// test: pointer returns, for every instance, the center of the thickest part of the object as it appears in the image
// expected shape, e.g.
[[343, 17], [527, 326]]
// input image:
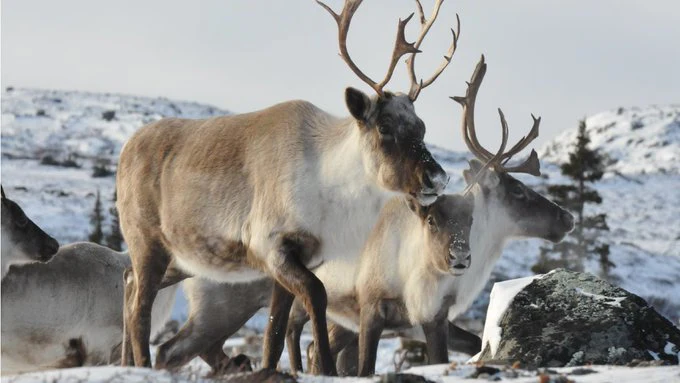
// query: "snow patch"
[[501, 296], [611, 301]]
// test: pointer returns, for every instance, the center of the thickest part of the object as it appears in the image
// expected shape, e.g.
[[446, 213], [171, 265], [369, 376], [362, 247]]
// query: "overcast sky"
[[561, 60]]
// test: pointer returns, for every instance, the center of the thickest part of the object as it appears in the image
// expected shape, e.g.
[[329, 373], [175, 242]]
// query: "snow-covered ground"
[[640, 188]]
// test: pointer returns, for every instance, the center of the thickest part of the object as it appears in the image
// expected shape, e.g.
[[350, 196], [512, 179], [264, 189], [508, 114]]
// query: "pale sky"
[[561, 60]]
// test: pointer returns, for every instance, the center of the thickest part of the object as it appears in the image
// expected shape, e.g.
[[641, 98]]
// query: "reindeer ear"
[[488, 179], [358, 103]]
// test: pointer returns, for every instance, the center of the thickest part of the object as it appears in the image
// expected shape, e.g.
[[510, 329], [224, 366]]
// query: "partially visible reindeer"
[[74, 303], [22, 240], [503, 208], [271, 193]]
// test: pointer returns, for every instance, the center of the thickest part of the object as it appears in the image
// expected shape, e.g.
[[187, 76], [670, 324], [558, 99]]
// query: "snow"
[[438, 373], [502, 294], [639, 192], [611, 301]]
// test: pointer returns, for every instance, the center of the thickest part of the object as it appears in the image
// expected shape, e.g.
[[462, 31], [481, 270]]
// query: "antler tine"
[[530, 166], [468, 103], [524, 142], [401, 47], [417, 86], [343, 20], [495, 159], [3, 192]]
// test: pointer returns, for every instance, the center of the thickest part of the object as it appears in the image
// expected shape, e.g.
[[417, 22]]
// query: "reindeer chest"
[[342, 220]]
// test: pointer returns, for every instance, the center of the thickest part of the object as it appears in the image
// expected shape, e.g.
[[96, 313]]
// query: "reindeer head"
[[22, 240], [392, 134], [527, 213], [446, 225], [507, 200]]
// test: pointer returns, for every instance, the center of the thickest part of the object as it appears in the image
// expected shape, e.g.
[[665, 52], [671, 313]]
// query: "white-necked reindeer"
[[504, 208], [68, 312], [22, 240], [273, 192]]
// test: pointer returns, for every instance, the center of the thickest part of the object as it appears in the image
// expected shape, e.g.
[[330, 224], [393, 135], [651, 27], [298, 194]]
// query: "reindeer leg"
[[339, 338], [348, 358], [126, 357], [371, 325], [436, 335], [279, 311], [148, 267], [296, 322], [463, 341], [293, 279]]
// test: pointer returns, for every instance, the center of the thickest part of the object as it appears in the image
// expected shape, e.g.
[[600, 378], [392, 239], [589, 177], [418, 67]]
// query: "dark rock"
[[571, 319]]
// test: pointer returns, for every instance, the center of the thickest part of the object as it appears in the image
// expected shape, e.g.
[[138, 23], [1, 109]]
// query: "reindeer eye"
[[517, 191], [385, 133], [21, 220]]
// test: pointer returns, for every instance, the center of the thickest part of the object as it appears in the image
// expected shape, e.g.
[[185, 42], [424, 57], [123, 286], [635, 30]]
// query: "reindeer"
[[22, 240], [503, 208], [401, 277], [271, 193], [68, 312]]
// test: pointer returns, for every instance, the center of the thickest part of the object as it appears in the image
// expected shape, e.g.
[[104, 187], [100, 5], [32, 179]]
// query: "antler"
[[417, 86], [401, 46], [3, 192], [498, 161]]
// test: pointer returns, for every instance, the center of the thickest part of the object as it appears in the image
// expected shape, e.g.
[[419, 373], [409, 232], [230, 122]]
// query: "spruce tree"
[[96, 219], [114, 239], [585, 167]]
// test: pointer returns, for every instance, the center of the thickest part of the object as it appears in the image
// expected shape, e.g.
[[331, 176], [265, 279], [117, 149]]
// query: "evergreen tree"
[[96, 219], [114, 239], [585, 166]]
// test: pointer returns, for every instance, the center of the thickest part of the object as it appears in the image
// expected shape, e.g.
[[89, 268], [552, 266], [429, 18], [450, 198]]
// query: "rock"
[[570, 319]]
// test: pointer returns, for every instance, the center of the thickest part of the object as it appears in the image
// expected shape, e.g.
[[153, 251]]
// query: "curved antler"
[[531, 165], [425, 24], [401, 46]]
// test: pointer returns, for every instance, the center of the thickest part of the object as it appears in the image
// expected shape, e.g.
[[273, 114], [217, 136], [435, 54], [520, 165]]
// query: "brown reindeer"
[[270, 193], [22, 240]]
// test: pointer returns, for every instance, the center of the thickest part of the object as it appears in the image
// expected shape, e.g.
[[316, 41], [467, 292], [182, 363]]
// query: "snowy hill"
[[640, 189], [637, 140]]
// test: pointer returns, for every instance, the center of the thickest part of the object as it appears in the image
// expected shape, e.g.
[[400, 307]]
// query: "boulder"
[[568, 318]]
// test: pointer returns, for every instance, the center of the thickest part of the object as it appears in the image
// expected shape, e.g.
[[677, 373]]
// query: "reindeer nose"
[[436, 179], [51, 248], [567, 219]]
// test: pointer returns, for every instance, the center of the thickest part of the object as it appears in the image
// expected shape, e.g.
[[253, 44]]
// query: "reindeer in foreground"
[[74, 301], [503, 208], [400, 279], [270, 193], [22, 240]]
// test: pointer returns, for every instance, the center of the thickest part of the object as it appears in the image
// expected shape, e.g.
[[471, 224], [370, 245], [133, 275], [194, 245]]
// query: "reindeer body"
[[401, 277], [77, 295]]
